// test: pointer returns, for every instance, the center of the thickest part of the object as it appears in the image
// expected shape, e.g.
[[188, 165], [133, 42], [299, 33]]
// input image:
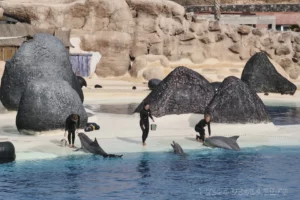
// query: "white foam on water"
[[21, 156]]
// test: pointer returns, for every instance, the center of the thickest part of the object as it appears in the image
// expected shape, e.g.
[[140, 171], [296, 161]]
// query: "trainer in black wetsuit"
[[72, 123], [144, 121], [200, 127]]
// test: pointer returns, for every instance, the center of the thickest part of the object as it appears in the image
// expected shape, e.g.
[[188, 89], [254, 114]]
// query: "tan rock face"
[[267, 42], [142, 65], [234, 37], [219, 37], [206, 40], [285, 38], [214, 26], [236, 48], [1, 12], [155, 72], [114, 48], [297, 39], [297, 48], [244, 30], [286, 63], [198, 57], [257, 32], [282, 50]]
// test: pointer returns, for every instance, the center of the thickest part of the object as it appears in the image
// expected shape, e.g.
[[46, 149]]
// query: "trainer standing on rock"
[[72, 124], [144, 121]]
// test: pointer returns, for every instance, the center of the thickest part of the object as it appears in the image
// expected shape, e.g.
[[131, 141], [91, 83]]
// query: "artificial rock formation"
[[46, 104], [235, 102], [124, 29], [82, 81], [216, 85], [182, 91], [153, 83], [44, 56], [260, 74], [149, 66]]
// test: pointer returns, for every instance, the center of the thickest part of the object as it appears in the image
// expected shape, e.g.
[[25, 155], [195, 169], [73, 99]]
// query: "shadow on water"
[[284, 115], [10, 129], [143, 168], [113, 108], [129, 140]]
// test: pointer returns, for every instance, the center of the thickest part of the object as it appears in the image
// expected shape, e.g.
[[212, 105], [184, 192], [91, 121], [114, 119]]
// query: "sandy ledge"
[[120, 133]]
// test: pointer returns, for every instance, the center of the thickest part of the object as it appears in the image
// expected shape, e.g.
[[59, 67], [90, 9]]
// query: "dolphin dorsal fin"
[[96, 142], [234, 137]]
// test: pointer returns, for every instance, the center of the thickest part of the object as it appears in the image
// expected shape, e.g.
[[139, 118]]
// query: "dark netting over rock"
[[46, 104], [182, 91], [260, 74], [44, 56], [235, 102]]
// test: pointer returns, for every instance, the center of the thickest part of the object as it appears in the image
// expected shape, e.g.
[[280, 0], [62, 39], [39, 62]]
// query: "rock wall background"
[[141, 38], [253, 7], [210, 2]]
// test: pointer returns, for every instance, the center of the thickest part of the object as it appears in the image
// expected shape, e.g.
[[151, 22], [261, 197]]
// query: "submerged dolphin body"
[[222, 142], [177, 148], [89, 146]]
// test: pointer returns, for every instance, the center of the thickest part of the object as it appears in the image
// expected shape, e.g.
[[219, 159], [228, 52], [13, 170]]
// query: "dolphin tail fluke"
[[235, 137]]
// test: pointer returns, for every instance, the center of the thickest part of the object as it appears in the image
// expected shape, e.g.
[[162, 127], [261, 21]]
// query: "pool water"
[[284, 115], [253, 173]]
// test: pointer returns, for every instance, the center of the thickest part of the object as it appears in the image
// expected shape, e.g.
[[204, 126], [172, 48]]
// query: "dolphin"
[[88, 146], [177, 148], [222, 142]]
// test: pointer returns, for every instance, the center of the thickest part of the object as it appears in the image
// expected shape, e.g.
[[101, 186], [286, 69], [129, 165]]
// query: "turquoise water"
[[254, 173]]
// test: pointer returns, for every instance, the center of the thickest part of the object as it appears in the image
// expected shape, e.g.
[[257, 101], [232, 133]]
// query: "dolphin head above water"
[[222, 142], [177, 148]]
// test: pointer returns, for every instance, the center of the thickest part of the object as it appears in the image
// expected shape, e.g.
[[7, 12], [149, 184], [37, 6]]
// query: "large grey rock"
[[153, 83], [216, 85], [261, 75], [182, 91], [82, 81], [44, 56], [46, 104], [235, 102]]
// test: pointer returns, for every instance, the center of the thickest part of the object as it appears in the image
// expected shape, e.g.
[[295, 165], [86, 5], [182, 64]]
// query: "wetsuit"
[[200, 128], [144, 122], [71, 126]]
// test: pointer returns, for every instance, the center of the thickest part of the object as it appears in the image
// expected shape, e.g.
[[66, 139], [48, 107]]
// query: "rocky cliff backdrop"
[[210, 2], [141, 37]]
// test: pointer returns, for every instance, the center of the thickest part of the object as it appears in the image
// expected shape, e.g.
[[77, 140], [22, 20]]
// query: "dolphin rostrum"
[[222, 142], [177, 148], [89, 146]]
